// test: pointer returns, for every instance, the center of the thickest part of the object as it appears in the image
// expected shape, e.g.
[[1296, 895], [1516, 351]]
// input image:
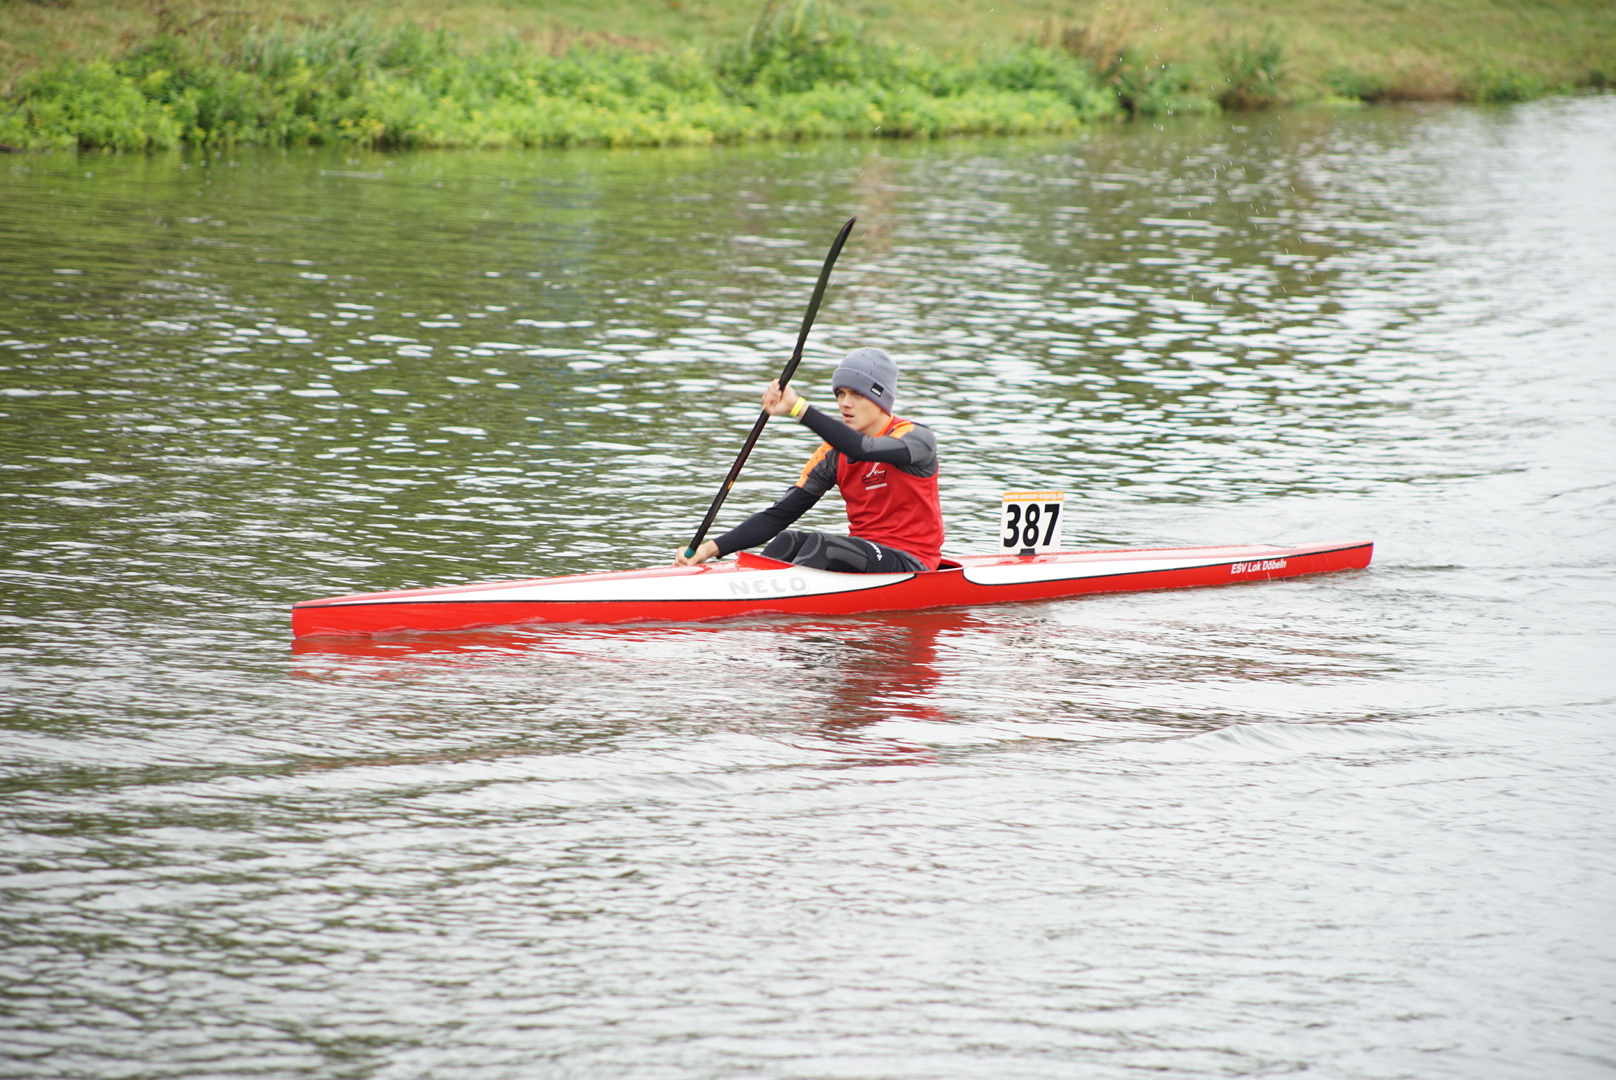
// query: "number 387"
[[1023, 523]]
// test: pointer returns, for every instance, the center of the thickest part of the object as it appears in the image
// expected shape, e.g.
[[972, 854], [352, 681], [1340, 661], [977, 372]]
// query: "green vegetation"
[[155, 74], [800, 72]]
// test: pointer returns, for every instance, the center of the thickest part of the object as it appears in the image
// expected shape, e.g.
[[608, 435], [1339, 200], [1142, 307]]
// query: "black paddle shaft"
[[785, 377]]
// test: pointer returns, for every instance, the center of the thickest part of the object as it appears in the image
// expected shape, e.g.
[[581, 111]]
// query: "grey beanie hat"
[[870, 372]]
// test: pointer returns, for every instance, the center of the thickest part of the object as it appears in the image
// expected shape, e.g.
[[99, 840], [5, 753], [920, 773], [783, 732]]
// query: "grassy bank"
[[803, 72], [163, 73]]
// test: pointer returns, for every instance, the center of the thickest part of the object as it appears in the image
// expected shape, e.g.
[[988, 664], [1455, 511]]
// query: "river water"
[[1352, 826]]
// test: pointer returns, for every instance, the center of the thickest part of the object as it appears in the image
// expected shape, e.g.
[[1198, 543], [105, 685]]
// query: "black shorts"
[[846, 554]]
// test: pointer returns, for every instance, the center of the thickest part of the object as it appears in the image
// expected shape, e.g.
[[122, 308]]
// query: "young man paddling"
[[884, 466]]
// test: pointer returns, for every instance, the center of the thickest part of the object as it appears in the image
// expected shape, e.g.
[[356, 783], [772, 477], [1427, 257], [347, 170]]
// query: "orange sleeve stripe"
[[819, 455]]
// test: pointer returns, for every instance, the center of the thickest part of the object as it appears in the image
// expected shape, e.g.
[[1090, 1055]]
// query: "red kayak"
[[752, 585]]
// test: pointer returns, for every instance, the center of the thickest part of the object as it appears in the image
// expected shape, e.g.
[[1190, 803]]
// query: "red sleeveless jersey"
[[889, 506]]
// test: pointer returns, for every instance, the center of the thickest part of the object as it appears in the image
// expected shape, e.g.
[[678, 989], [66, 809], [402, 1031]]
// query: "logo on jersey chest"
[[875, 477]]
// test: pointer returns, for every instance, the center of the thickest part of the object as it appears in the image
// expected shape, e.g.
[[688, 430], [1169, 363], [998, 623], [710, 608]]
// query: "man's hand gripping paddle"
[[785, 377]]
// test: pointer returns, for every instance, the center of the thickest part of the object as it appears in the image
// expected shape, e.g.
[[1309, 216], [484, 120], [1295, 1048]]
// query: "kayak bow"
[[752, 585]]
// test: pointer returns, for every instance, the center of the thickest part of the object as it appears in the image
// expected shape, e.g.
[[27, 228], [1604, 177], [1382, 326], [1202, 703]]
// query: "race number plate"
[[1030, 522]]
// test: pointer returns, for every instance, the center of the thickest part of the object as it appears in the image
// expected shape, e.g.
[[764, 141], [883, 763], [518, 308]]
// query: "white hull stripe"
[[741, 586], [1026, 573]]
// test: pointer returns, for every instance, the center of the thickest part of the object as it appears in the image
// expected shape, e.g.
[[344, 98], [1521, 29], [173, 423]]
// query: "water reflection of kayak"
[[752, 585]]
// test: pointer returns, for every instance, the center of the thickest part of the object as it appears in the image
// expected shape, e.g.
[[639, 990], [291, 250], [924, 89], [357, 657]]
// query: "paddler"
[[884, 466]]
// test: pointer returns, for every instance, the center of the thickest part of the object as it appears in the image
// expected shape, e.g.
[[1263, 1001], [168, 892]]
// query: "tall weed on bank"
[[1253, 74]]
